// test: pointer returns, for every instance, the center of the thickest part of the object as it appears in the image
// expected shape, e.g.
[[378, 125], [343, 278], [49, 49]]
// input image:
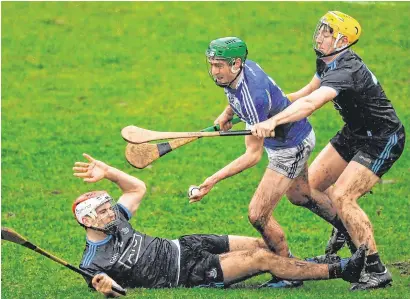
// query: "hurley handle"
[[217, 128]]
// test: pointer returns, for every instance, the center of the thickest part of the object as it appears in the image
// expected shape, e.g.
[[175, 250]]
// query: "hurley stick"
[[12, 236], [142, 155], [133, 134]]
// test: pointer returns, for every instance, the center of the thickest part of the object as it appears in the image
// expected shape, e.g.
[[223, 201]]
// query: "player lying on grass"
[[116, 253]]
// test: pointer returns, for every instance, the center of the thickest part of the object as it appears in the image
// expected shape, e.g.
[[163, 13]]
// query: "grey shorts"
[[291, 161]]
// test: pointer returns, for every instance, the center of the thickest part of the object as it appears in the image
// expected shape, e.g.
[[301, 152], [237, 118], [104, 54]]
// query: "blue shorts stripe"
[[385, 154], [378, 160]]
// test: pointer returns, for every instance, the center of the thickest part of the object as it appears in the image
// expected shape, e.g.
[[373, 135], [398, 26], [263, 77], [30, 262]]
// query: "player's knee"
[[257, 220], [260, 243], [262, 257], [298, 197]]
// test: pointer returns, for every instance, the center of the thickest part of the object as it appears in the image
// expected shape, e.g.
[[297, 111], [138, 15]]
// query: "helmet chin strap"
[[110, 230], [107, 231], [321, 55], [223, 85]]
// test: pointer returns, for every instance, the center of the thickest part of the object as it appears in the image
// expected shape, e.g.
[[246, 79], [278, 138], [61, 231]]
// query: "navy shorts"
[[377, 154], [200, 266]]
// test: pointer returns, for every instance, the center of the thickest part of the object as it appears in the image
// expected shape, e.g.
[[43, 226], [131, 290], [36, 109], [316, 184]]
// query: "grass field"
[[75, 73]]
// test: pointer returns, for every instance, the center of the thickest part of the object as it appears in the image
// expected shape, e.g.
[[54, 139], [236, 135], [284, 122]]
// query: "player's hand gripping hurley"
[[12, 236]]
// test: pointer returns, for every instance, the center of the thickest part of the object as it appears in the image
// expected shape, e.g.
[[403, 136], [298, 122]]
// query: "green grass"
[[75, 73]]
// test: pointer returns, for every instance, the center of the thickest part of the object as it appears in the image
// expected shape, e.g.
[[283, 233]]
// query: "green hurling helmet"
[[228, 49]]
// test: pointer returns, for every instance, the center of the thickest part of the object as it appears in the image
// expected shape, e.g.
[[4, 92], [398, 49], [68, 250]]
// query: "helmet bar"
[[321, 55], [87, 207]]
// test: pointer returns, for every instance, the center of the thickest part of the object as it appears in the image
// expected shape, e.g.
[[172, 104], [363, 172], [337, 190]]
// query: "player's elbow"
[[142, 188], [139, 187]]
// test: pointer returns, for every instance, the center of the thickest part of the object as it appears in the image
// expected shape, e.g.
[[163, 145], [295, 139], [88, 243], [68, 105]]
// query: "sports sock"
[[336, 222], [374, 264], [335, 270]]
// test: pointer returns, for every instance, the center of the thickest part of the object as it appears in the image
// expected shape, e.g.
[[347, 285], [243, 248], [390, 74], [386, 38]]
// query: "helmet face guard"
[[98, 208], [336, 25], [230, 64], [226, 49]]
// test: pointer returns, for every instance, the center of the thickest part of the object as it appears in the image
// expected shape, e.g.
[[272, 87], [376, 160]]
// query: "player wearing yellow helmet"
[[343, 30], [367, 146]]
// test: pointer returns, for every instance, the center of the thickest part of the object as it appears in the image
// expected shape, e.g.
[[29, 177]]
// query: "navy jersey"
[[133, 259], [258, 98], [360, 99]]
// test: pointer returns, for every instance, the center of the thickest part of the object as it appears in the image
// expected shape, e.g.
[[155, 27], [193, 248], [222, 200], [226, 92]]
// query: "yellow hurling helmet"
[[339, 25]]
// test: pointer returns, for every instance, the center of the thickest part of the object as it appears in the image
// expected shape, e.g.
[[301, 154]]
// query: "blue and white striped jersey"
[[257, 98]]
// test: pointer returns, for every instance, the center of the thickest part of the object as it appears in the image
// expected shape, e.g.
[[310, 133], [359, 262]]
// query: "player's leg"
[[218, 244], [355, 181], [310, 189], [237, 243], [371, 162], [239, 265], [284, 166], [304, 193], [270, 190]]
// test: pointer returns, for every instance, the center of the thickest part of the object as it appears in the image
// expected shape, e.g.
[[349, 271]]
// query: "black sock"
[[338, 224], [335, 270], [374, 264]]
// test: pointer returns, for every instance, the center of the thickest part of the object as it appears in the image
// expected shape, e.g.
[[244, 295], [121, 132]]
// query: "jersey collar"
[[338, 57], [102, 242]]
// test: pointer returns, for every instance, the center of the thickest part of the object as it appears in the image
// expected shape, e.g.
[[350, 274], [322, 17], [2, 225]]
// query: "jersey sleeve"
[[338, 79], [124, 212]]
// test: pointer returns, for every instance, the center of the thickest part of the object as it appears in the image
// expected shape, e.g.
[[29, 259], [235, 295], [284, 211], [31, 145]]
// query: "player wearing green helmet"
[[227, 49], [254, 97]]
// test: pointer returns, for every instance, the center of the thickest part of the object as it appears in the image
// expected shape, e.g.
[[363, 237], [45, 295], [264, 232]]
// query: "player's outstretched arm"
[[133, 189], [253, 154], [308, 89], [302, 108], [91, 171]]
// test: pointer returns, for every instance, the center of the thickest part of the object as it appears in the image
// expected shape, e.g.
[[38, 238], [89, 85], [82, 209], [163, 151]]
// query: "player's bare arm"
[[302, 108], [308, 89], [133, 189], [224, 119], [252, 155]]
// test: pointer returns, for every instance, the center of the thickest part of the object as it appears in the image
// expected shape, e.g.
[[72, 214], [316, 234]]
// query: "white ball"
[[192, 191]]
